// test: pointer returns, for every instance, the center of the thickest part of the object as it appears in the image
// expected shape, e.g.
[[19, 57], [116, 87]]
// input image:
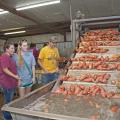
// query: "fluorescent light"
[[1, 9], [12, 29], [18, 32], [3, 12], [39, 5]]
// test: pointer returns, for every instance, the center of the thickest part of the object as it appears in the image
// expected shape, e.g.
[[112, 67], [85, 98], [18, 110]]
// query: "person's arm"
[[57, 57], [8, 72], [40, 58], [40, 63], [33, 72], [5, 65], [33, 68]]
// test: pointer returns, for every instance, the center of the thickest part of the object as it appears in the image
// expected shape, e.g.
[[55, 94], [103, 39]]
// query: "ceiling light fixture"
[[3, 12], [10, 33], [5, 30], [49, 2]]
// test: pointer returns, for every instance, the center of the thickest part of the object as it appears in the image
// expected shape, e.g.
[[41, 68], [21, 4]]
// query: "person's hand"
[[118, 84], [46, 71], [33, 80], [17, 77], [57, 70], [19, 82], [113, 82]]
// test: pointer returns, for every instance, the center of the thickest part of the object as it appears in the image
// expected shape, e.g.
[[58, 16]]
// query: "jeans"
[[46, 78], [8, 96]]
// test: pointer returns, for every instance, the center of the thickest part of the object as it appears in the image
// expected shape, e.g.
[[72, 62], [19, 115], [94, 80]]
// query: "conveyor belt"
[[82, 107]]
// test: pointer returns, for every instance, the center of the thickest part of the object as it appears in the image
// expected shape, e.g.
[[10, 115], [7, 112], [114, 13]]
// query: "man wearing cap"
[[48, 60]]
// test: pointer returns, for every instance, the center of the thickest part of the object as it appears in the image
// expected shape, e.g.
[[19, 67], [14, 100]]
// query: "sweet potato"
[[114, 108]]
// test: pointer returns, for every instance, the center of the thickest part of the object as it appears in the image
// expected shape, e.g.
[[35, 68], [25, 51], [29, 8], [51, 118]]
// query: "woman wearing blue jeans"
[[8, 76]]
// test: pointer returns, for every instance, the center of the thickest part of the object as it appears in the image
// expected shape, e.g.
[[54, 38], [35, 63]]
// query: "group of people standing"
[[17, 70]]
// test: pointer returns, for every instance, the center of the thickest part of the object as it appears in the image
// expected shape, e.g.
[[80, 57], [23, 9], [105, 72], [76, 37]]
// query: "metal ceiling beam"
[[13, 11], [109, 24], [65, 38], [100, 19], [101, 23], [36, 30], [32, 33], [4, 6], [60, 25]]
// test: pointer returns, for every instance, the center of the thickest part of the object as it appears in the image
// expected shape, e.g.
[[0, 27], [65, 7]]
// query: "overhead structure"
[[93, 23], [42, 15], [38, 27]]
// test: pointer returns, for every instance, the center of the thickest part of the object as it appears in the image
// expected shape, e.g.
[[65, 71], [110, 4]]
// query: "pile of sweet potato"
[[92, 49], [100, 43], [81, 90], [96, 58], [97, 78], [95, 65], [105, 32]]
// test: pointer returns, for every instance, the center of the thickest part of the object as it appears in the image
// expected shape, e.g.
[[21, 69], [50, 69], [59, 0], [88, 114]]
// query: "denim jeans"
[[8, 96], [46, 78]]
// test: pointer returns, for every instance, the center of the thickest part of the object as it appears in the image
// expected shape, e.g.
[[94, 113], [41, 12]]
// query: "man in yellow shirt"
[[48, 60]]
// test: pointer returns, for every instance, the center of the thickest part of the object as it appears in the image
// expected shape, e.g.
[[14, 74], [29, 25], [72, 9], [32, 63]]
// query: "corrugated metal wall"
[[65, 48], [1, 45], [38, 38]]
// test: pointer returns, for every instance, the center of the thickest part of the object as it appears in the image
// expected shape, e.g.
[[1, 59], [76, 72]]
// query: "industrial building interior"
[[69, 23]]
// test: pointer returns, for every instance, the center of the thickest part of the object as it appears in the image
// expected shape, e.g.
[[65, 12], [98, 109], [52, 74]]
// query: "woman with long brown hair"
[[25, 67]]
